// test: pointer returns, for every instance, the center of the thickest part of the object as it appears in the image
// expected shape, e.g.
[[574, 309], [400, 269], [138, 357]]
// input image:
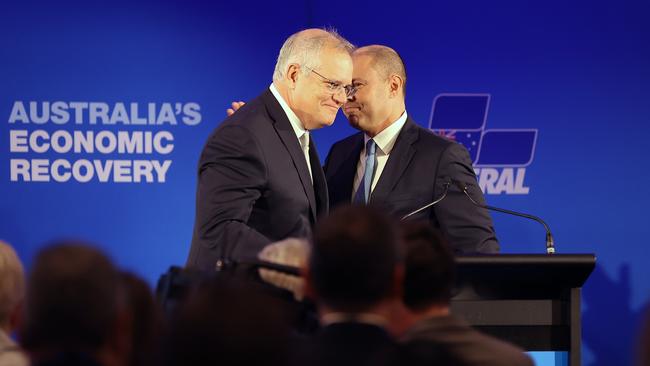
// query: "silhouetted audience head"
[[12, 292], [354, 258], [429, 267], [228, 322], [643, 341], [147, 321], [74, 309], [12, 287]]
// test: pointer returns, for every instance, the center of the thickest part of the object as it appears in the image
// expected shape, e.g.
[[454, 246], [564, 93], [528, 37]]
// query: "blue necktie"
[[363, 192]]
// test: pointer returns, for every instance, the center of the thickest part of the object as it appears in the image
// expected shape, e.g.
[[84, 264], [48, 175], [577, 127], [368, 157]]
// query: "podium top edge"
[[588, 259]]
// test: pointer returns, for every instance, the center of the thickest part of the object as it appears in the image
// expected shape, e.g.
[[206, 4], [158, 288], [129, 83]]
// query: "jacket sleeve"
[[468, 228], [232, 177]]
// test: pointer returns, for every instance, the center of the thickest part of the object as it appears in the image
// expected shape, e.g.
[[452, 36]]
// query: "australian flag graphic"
[[463, 117]]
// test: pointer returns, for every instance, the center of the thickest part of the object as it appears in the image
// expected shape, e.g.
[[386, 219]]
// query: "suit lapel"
[[343, 178], [288, 137], [397, 162], [320, 184]]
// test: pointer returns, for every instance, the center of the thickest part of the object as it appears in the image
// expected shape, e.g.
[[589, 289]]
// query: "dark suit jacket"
[[350, 343], [468, 346], [417, 168], [254, 186]]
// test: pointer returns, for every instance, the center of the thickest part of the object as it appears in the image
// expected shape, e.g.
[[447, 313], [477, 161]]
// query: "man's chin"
[[328, 123], [324, 122], [354, 121]]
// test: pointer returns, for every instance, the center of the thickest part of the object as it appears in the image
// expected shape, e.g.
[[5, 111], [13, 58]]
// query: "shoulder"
[[252, 115], [426, 138], [347, 142], [430, 145], [243, 127]]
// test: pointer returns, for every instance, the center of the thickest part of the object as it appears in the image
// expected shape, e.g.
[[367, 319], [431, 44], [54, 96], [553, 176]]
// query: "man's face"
[[369, 108], [313, 102]]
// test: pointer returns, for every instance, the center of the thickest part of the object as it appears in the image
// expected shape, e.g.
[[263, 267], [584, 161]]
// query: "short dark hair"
[[429, 266], [73, 297], [228, 321], [147, 322], [353, 258]]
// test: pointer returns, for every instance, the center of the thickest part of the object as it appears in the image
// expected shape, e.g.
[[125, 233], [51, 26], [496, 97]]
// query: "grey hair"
[[12, 282], [305, 50]]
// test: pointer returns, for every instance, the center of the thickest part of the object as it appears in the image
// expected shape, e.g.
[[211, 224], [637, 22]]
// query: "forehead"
[[336, 65], [363, 66]]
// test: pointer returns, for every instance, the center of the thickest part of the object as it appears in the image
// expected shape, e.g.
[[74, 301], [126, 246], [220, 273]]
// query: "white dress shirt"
[[385, 140], [301, 133]]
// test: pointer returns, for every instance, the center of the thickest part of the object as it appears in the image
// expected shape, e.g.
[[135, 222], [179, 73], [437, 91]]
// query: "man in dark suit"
[[354, 274], [260, 178], [399, 165], [425, 322]]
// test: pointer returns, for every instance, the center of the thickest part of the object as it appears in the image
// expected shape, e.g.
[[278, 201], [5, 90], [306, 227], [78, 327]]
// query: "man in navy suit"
[[260, 178], [396, 164]]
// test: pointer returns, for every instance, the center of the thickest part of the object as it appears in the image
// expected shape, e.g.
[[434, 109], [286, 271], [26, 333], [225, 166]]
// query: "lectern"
[[530, 300]]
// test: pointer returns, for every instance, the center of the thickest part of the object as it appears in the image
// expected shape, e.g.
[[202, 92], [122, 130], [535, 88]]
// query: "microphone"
[[444, 194], [550, 247]]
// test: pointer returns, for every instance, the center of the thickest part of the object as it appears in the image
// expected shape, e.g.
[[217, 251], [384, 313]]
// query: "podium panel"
[[530, 300]]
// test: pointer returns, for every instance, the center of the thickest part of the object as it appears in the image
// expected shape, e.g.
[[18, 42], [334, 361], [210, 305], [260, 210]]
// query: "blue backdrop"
[[563, 112]]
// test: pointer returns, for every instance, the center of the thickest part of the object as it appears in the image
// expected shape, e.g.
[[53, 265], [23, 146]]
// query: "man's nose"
[[340, 97]]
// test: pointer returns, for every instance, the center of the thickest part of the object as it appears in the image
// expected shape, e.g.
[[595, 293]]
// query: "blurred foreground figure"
[[12, 289], [147, 321], [226, 321], [425, 320], [354, 274], [75, 312], [643, 343]]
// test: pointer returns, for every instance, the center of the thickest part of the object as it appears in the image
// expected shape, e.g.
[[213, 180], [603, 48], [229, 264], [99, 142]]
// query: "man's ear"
[[292, 75], [395, 85]]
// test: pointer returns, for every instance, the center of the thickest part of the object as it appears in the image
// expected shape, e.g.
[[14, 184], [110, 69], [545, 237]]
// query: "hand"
[[288, 252], [235, 107]]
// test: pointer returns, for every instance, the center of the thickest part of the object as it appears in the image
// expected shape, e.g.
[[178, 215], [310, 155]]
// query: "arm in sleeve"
[[232, 177], [468, 228]]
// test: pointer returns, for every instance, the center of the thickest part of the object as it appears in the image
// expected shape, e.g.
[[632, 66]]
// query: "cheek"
[[306, 93], [367, 100], [325, 101]]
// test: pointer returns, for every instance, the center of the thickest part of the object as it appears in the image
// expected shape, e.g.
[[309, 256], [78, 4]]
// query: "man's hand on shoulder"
[[235, 106]]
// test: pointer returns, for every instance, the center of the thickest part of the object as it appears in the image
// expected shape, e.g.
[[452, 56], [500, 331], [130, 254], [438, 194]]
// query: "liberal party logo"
[[499, 156]]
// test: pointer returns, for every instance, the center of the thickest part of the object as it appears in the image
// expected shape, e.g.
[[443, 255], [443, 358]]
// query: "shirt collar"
[[385, 140], [295, 121]]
